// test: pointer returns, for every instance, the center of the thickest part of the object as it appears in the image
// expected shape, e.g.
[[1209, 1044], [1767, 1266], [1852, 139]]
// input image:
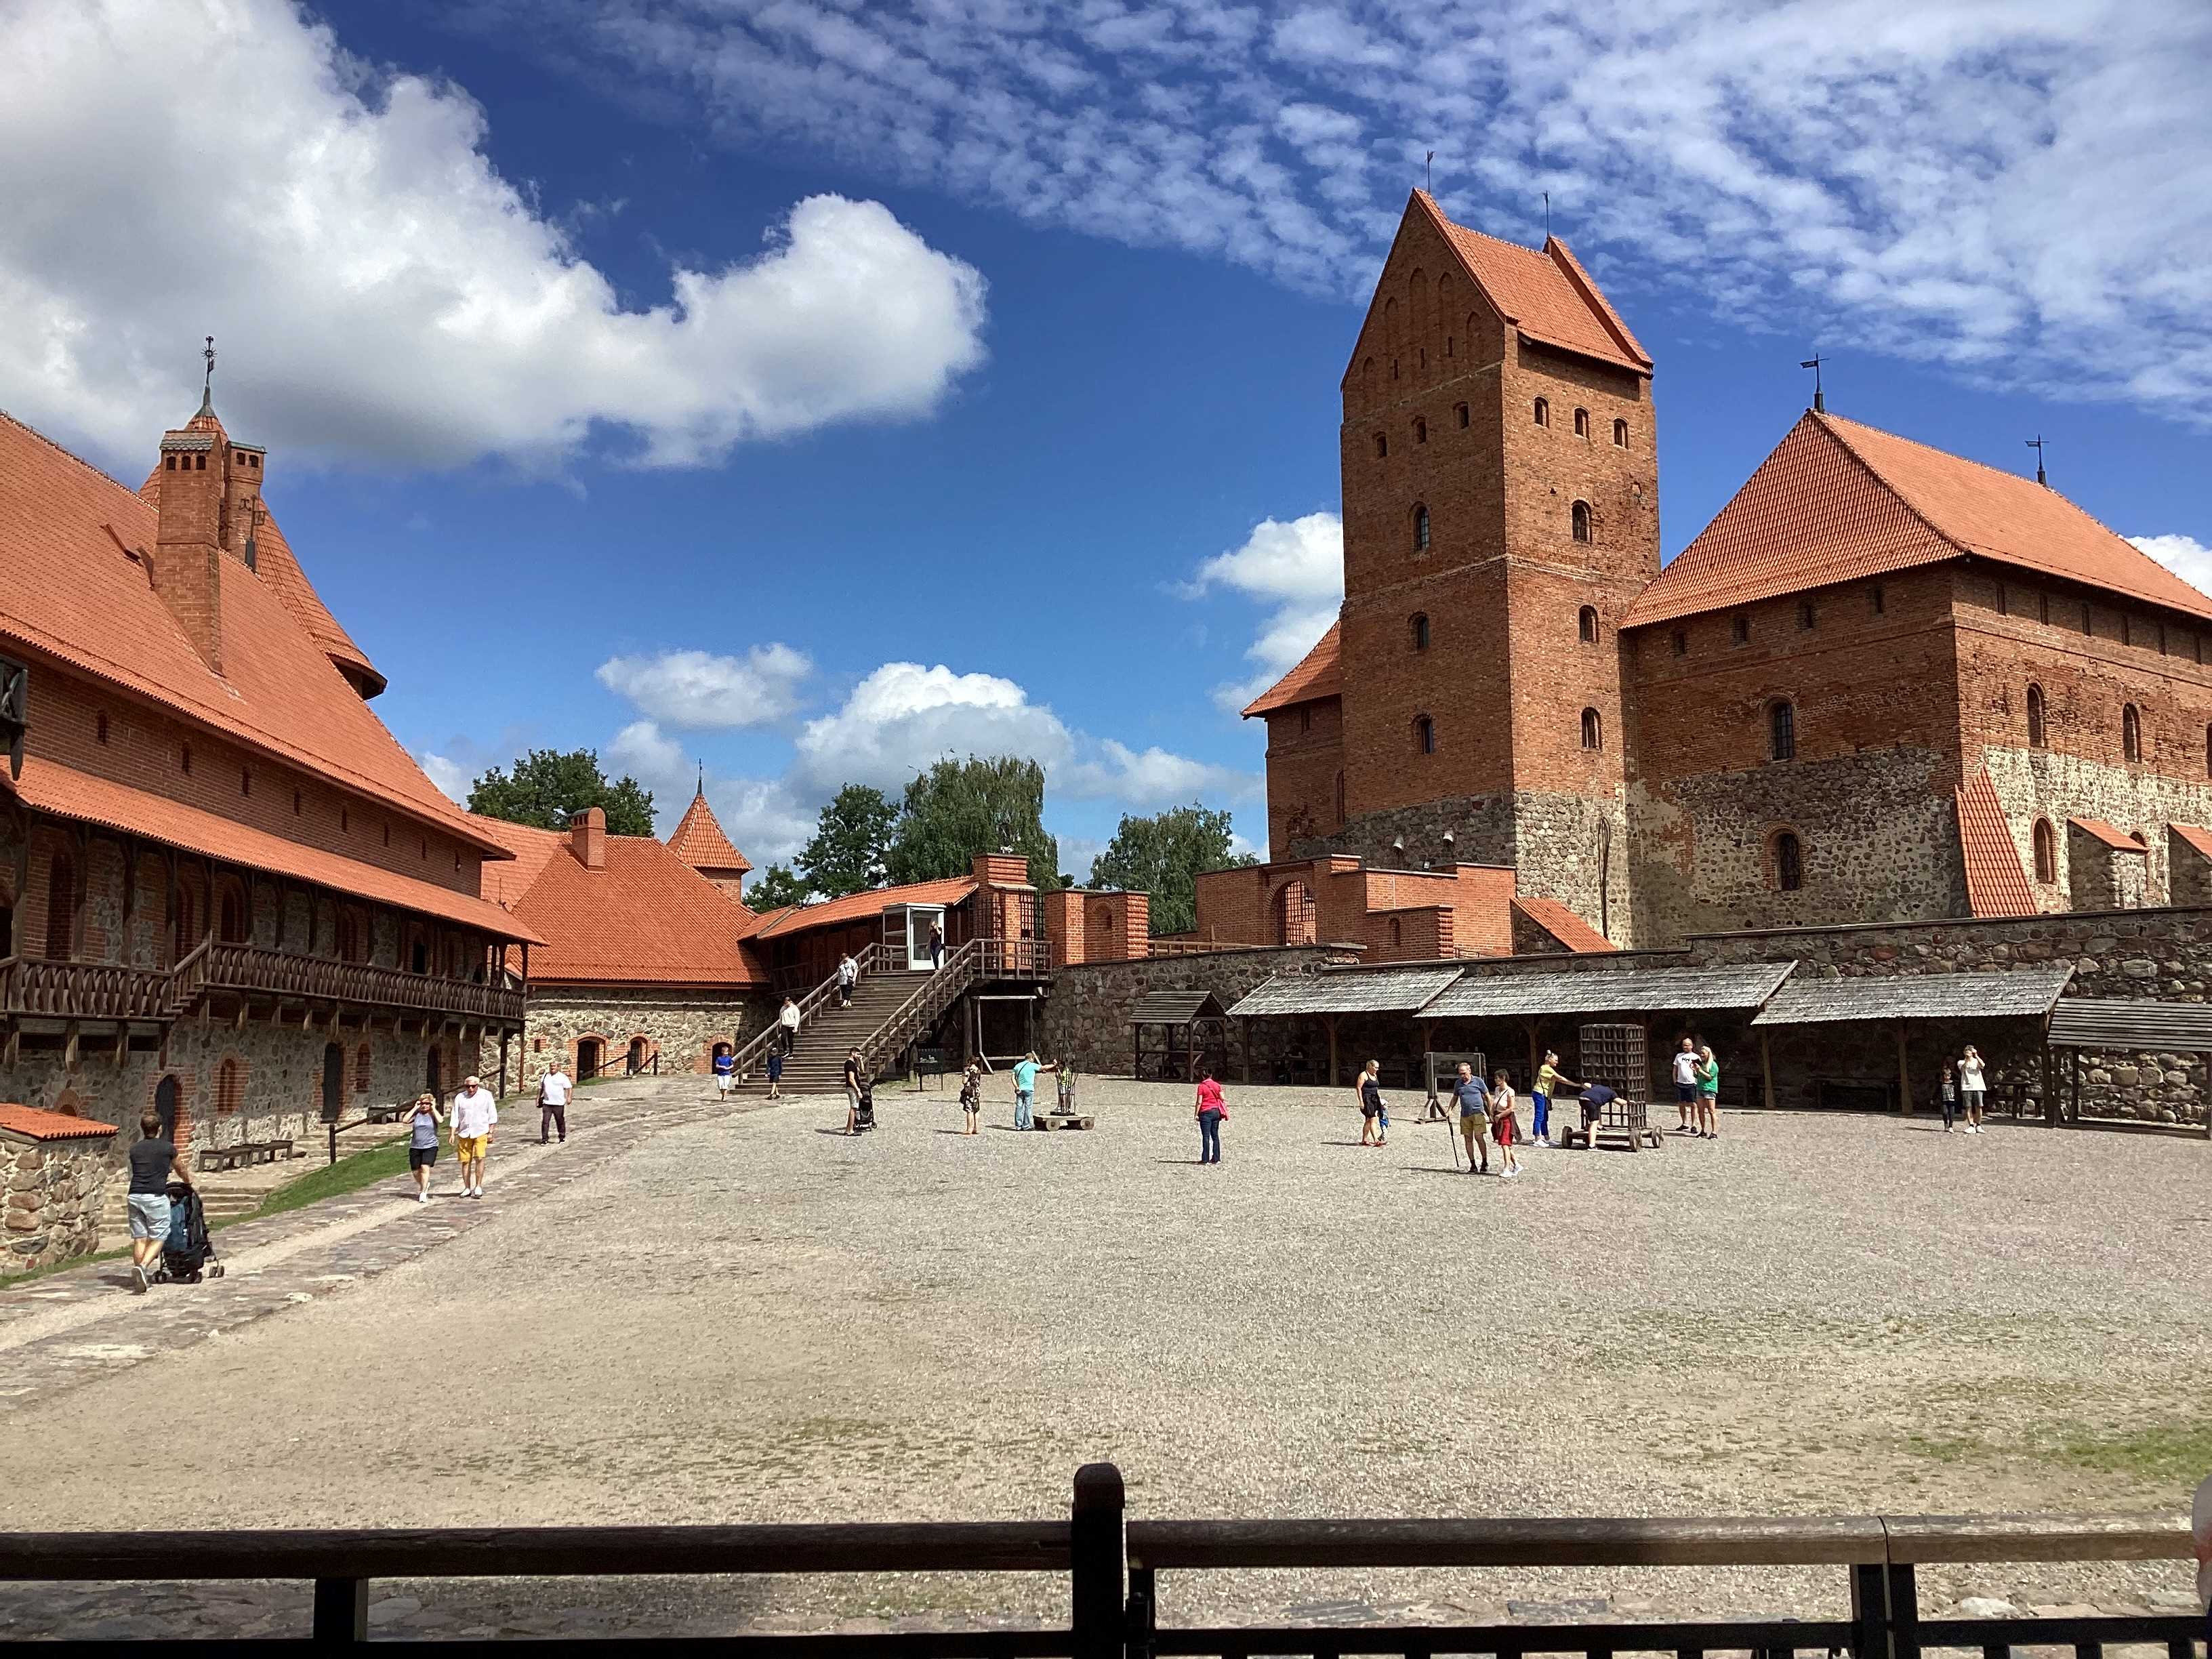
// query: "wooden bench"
[[244, 1153]]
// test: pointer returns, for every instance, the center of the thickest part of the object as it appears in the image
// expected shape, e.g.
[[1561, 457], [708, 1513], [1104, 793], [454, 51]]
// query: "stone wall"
[[2041, 783], [680, 1024], [1085, 1024], [54, 1193]]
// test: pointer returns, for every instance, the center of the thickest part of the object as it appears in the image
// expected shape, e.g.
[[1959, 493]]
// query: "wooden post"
[[1331, 1021], [1097, 1559], [2050, 1089], [1532, 1053], [1246, 1022], [1766, 1068], [1903, 1075], [2077, 1087]]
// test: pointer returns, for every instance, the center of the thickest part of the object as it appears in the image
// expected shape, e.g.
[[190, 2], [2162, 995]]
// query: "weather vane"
[[206, 380], [2036, 444], [1820, 398]]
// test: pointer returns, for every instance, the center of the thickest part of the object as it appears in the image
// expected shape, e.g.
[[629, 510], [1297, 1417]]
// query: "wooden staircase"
[[817, 1066]]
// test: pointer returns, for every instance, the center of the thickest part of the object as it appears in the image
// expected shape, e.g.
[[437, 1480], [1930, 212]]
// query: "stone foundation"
[[680, 1024], [53, 1184], [1085, 1022]]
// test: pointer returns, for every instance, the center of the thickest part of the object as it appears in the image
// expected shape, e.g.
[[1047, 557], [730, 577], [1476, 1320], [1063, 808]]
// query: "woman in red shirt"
[[1212, 1113]]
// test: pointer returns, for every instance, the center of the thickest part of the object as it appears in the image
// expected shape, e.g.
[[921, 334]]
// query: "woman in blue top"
[[423, 1120]]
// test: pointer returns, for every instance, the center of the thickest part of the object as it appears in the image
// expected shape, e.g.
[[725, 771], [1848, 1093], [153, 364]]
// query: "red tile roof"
[[1995, 883], [647, 917], [1543, 292], [1319, 674], [40, 1125], [700, 842], [1836, 501], [82, 796], [2198, 838], [74, 592], [1563, 924], [828, 912], [2118, 840]]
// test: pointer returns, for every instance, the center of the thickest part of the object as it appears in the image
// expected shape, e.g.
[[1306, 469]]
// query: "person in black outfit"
[[154, 1160]]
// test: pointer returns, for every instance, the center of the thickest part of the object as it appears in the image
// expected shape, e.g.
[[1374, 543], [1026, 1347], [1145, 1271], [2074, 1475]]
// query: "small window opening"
[[99, 728], [1682, 643], [1581, 522], [1788, 862], [1420, 530], [1807, 617], [1739, 627], [1621, 434], [1543, 411], [1393, 368], [1593, 729], [245, 781], [2131, 734], [2088, 621], [1425, 735], [1586, 624], [185, 757], [1420, 631], [1381, 445], [2035, 726], [1782, 731], [1462, 411], [299, 803], [2046, 852], [1874, 598], [1420, 430], [1582, 423], [1305, 718], [2005, 604], [2043, 609], [1448, 345]]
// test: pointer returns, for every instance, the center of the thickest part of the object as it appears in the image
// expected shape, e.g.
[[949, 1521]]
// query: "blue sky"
[[806, 389]]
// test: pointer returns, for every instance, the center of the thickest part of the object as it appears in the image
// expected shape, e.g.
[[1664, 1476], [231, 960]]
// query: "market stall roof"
[[2132, 1023], [2023, 991], [1175, 1008], [1596, 991], [1399, 991]]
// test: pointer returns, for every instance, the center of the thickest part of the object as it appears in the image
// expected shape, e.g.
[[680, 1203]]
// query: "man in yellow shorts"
[[474, 1113]]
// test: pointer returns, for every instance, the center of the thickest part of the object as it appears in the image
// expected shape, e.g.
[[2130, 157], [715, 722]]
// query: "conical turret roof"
[[700, 842]]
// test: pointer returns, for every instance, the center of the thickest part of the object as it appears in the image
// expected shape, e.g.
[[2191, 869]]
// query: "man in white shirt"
[[474, 1113], [788, 1018], [1686, 1083], [553, 1105], [848, 974]]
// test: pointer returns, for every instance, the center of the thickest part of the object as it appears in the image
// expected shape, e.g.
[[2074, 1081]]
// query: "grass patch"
[[349, 1174], [2160, 1454]]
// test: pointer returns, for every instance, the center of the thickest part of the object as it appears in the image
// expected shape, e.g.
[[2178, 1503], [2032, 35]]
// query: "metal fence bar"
[[341, 1612]]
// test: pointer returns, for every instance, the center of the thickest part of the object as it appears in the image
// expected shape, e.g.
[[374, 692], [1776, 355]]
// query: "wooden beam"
[[1903, 1075], [70, 1048], [1331, 1019], [2051, 1090], [1765, 1067]]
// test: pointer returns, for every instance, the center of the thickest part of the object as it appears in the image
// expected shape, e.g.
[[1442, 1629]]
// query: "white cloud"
[[646, 753], [2186, 556], [450, 776], [380, 291], [2020, 191], [698, 688], [903, 717], [1295, 569], [1152, 777]]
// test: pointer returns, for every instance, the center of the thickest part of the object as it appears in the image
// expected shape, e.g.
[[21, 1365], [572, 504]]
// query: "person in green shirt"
[[1025, 1076], [1709, 1094]]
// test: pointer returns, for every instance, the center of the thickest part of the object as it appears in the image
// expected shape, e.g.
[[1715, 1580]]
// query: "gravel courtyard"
[[755, 1318]]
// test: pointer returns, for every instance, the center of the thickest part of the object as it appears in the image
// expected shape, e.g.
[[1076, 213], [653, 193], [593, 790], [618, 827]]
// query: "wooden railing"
[[752, 1056], [356, 984], [35, 987], [1113, 1565]]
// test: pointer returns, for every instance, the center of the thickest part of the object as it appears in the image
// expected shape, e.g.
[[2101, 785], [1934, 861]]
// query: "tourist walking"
[[1369, 1090], [154, 1161], [971, 1097], [774, 1073], [1548, 1078], [725, 1070], [473, 1114], [423, 1119], [1709, 1094], [553, 1091], [1686, 1087], [848, 975], [1025, 1075], [1473, 1118], [1946, 1093], [854, 1076], [1505, 1110], [936, 947], [1971, 1084], [788, 1017], [1212, 1113]]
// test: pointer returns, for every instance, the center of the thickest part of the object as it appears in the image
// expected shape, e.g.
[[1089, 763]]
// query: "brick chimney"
[[587, 838], [188, 546]]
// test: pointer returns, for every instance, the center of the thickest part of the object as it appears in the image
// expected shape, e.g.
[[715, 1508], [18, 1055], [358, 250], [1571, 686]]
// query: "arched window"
[[1782, 731], [1397, 932], [2131, 734], [229, 1085], [1420, 529], [1420, 430], [61, 907], [364, 1070], [1425, 735], [2046, 852], [2035, 727], [1581, 522], [1593, 729], [1381, 445], [1621, 434], [1543, 411], [1582, 423], [1586, 624], [1789, 862], [1420, 630]]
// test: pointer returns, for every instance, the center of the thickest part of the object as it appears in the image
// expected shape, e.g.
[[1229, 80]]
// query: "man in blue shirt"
[[1473, 1118], [1596, 1096], [1025, 1076]]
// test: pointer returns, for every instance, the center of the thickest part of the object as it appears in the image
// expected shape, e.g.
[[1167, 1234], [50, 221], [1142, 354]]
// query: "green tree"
[[773, 887], [1164, 856], [549, 785], [851, 839], [958, 809]]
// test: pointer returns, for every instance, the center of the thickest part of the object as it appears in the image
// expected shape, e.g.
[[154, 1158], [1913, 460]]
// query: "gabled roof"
[[1563, 924], [76, 590], [1996, 884], [795, 919], [2194, 835], [700, 842], [646, 918], [2119, 840], [1836, 501], [36, 1124], [2012, 993], [1319, 674], [1544, 293]]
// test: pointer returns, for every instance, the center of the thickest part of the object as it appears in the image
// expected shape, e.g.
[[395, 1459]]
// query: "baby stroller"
[[864, 1114], [188, 1252]]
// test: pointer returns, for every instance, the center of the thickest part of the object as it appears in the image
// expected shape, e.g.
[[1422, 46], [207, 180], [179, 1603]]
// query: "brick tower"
[[1500, 513]]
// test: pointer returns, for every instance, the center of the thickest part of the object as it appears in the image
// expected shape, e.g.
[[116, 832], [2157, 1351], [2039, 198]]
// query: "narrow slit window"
[[1788, 862], [1581, 521], [1593, 729], [1586, 625], [1782, 731]]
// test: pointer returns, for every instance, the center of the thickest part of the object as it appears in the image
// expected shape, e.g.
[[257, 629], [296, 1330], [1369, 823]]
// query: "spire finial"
[[207, 379], [702, 791], [1820, 398], [2036, 444]]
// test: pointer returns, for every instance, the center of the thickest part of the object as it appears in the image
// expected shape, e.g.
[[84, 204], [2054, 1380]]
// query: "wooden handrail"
[[743, 1058], [255, 968]]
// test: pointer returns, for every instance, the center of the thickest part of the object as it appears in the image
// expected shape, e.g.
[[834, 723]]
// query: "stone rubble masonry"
[[1086, 1018], [51, 1197], [680, 1024]]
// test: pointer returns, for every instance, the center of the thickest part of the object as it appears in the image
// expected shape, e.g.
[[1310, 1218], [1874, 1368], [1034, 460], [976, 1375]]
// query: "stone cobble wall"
[[680, 1024], [2042, 783], [1085, 1022], [51, 1197]]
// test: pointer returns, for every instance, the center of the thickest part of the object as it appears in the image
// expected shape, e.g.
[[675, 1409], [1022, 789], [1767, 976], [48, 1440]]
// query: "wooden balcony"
[[249, 968], [32, 988]]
